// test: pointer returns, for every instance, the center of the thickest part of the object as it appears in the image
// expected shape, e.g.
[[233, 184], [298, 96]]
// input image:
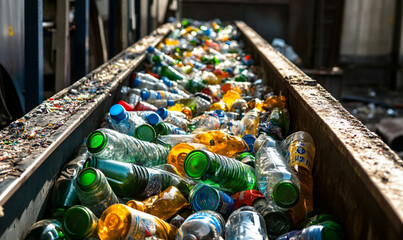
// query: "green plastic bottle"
[[94, 191], [218, 171], [133, 181], [109, 144], [80, 223]]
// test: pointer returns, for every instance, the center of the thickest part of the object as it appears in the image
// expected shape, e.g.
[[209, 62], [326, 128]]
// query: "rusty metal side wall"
[[356, 175]]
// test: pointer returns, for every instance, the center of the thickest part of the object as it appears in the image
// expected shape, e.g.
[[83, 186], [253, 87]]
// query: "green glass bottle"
[[80, 223], [137, 182], [218, 171], [170, 73], [94, 191], [247, 158]]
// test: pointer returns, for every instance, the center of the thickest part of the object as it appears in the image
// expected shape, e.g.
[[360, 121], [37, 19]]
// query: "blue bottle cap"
[[166, 81], [117, 112], [163, 112], [229, 70], [150, 49], [144, 94], [159, 95], [219, 112], [213, 115], [228, 42], [250, 140], [153, 118], [136, 82], [170, 103], [174, 91], [208, 31]]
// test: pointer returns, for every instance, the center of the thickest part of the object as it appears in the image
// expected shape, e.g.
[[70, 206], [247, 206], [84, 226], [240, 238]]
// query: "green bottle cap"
[[332, 231], [285, 194], [77, 222], [161, 128], [96, 141], [88, 179], [145, 132], [196, 164]]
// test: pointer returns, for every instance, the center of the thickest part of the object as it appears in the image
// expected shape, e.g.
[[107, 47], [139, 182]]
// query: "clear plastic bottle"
[[202, 225], [130, 123], [80, 223], [139, 83], [164, 205], [243, 88], [178, 153], [144, 106], [207, 123], [161, 56], [176, 118], [245, 224], [49, 229], [275, 178], [250, 121], [109, 144], [204, 197], [239, 106], [327, 230], [164, 128], [133, 181], [224, 173], [161, 103], [300, 154], [278, 221], [94, 191], [122, 222]]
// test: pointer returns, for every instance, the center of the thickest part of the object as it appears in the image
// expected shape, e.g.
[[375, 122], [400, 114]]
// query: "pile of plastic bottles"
[[195, 150]]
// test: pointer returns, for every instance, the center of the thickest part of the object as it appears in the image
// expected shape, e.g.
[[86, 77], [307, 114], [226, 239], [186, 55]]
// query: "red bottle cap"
[[143, 106], [246, 198], [126, 106]]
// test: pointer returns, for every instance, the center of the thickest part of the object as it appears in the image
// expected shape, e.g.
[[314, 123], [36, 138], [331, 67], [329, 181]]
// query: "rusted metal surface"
[[35, 147], [357, 176]]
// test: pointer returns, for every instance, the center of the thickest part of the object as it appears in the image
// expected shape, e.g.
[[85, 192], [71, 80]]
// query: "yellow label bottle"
[[120, 222]]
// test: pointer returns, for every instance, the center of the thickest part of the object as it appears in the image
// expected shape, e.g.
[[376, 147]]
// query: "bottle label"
[[141, 227], [301, 154], [209, 217]]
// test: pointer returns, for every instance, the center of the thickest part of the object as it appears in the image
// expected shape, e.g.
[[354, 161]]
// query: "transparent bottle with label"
[[202, 225], [109, 144], [299, 150], [275, 178], [176, 118], [123, 222]]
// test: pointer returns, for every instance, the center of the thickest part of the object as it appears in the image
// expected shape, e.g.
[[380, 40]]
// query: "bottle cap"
[[88, 179], [174, 91], [144, 94], [136, 82], [96, 141], [163, 112], [77, 222], [117, 112], [166, 81], [161, 128], [219, 112], [277, 222], [250, 141], [332, 231], [196, 164], [159, 96], [153, 118], [126, 106], [285, 194], [150, 49], [145, 132], [170, 103], [205, 198]]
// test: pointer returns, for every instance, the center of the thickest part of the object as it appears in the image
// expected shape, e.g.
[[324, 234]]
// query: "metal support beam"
[[149, 17], [33, 54], [397, 34], [82, 38], [62, 45], [137, 10], [113, 15]]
